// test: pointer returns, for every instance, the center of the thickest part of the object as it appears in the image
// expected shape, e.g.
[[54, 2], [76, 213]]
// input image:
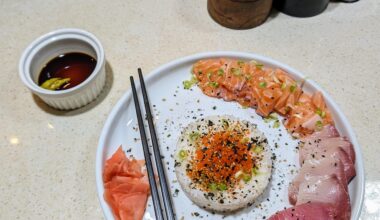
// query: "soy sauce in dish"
[[66, 71]]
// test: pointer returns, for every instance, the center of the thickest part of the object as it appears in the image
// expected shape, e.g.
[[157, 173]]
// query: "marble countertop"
[[48, 156]]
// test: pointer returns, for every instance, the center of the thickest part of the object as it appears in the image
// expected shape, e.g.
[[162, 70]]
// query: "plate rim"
[[177, 62]]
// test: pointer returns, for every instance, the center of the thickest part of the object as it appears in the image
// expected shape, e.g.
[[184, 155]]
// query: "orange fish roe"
[[218, 157]]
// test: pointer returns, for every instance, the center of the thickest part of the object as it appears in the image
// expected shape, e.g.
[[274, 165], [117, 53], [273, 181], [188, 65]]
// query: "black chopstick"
[[149, 166], [157, 155]]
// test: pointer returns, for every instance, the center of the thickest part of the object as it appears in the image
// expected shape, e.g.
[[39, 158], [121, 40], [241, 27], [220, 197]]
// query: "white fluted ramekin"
[[49, 46]]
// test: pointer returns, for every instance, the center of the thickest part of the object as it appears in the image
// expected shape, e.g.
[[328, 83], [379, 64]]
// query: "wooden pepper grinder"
[[239, 14]]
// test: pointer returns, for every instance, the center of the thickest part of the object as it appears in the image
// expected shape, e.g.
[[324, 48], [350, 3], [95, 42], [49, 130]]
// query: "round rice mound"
[[241, 195]]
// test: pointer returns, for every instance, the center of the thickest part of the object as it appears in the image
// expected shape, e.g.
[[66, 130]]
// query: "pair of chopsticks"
[[168, 206]]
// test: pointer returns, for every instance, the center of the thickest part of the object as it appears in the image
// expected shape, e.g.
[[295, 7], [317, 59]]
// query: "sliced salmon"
[[266, 89], [126, 188]]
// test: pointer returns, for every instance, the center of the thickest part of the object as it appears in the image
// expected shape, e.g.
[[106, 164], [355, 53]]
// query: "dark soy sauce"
[[76, 66]]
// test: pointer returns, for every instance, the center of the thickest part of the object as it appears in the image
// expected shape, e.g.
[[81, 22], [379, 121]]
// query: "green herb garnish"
[[182, 154], [258, 149], [263, 84], [259, 66], [283, 86], [245, 140], [320, 113], [213, 187], [293, 87], [276, 124], [318, 125], [187, 84], [222, 186], [270, 117], [255, 171], [236, 71], [220, 72], [194, 136], [214, 84], [247, 178]]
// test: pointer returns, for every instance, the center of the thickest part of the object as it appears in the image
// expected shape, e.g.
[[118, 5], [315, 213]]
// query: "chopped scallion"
[[236, 71], [220, 72], [222, 187], [214, 84], [270, 117], [194, 136], [213, 187], [263, 84], [247, 178], [318, 125], [276, 124], [320, 113], [259, 66], [187, 84], [245, 140], [283, 86], [240, 63], [293, 88], [258, 149], [182, 154], [255, 171]]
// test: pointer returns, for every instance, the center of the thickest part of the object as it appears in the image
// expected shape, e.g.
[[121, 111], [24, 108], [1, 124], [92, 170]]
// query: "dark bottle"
[[303, 8]]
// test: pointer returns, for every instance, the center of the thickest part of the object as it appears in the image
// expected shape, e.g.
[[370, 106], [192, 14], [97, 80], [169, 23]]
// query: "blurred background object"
[[303, 8], [239, 14]]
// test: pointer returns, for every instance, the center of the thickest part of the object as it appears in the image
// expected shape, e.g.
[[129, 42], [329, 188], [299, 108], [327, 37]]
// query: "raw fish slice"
[[307, 211], [266, 89], [318, 145], [336, 147], [331, 165], [328, 131], [326, 189]]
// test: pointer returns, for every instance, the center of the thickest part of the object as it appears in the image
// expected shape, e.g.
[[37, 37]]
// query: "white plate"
[[175, 107]]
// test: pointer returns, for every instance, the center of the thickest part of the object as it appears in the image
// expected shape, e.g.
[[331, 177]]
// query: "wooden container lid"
[[239, 14]]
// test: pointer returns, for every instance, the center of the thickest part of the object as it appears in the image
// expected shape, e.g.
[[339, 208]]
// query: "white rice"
[[244, 193]]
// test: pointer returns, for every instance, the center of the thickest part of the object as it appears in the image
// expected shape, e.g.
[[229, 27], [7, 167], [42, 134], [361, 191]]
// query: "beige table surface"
[[47, 163]]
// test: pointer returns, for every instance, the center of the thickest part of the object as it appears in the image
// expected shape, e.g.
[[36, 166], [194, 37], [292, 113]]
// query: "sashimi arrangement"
[[327, 160], [266, 89], [221, 160]]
